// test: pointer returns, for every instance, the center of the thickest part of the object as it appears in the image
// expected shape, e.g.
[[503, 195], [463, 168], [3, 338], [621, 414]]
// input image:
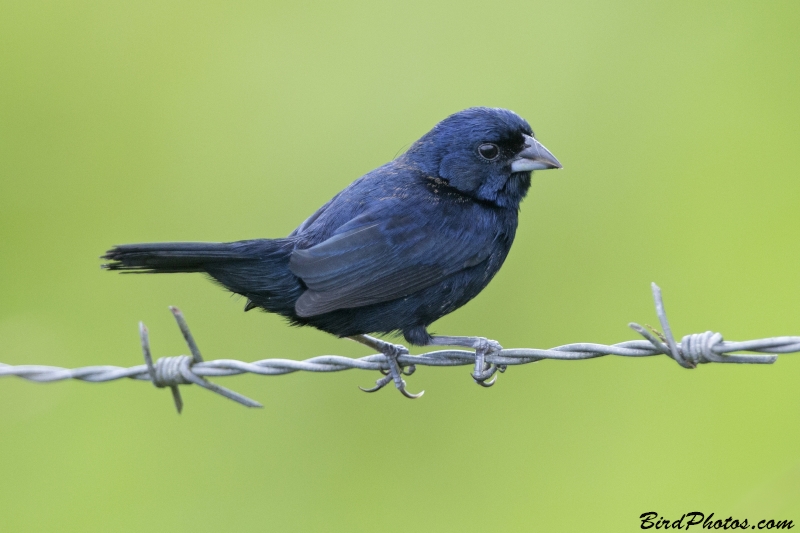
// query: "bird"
[[402, 246]]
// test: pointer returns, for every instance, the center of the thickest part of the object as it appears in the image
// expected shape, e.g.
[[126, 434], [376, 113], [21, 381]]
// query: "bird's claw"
[[483, 371], [394, 350], [379, 384], [486, 384], [480, 378], [395, 371], [409, 395], [405, 370], [486, 346]]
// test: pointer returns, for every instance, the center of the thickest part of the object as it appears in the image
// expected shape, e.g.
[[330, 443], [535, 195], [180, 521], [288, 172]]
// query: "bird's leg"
[[392, 352], [483, 347]]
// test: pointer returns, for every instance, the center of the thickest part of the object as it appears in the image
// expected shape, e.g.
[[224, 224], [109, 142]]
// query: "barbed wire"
[[694, 349]]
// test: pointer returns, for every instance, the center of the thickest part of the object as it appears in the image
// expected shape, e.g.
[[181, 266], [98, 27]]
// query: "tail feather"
[[173, 257], [257, 269]]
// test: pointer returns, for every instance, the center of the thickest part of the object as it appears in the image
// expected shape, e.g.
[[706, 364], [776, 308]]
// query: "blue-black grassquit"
[[402, 246]]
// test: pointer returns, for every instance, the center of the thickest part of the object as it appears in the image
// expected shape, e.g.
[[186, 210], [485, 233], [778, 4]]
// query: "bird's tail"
[[257, 269], [171, 257]]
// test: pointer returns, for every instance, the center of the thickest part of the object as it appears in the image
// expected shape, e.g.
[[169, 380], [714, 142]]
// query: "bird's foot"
[[483, 370], [395, 371]]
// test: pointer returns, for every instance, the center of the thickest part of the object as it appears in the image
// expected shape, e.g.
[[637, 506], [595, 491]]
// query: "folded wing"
[[378, 257]]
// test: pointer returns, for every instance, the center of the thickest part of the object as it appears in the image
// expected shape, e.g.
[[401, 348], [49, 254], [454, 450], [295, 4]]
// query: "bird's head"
[[486, 153]]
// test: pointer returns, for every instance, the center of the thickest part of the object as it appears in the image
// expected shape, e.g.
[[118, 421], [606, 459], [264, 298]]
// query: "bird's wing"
[[378, 257]]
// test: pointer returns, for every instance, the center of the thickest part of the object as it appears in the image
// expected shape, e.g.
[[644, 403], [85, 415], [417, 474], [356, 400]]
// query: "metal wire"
[[172, 372]]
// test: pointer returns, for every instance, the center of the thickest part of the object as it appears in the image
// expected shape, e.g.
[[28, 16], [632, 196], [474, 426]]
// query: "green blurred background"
[[678, 125]]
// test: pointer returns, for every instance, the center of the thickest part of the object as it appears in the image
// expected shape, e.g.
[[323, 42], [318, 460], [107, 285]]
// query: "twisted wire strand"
[[694, 349]]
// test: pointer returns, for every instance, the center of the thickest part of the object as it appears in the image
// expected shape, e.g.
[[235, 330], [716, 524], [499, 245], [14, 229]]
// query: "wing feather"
[[378, 257]]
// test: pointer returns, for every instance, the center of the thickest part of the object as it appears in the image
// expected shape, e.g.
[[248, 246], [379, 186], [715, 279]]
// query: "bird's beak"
[[534, 156]]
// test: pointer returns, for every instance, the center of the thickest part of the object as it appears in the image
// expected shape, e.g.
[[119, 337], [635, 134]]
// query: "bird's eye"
[[488, 151]]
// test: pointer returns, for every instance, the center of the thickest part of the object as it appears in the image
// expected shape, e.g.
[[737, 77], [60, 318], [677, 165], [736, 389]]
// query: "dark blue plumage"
[[399, 248]]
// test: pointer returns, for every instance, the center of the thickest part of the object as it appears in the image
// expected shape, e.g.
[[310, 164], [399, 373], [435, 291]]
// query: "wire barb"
[[160, 377], [172, 372], [705, 347]]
